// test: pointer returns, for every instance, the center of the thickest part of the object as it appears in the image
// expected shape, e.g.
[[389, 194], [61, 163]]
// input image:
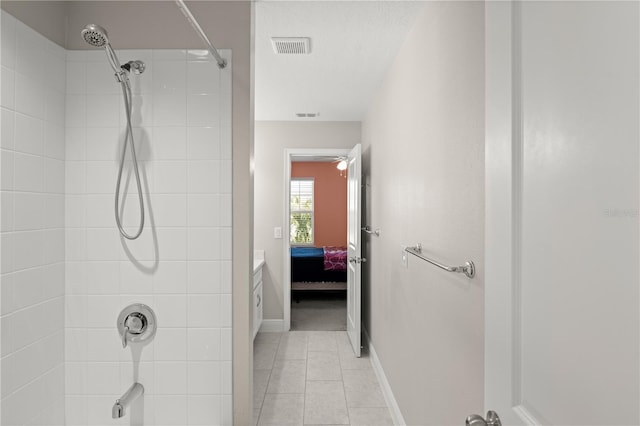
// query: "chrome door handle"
[[477, 420]]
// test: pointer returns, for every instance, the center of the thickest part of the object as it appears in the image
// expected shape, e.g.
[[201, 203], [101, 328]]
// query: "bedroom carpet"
[[319, 311]]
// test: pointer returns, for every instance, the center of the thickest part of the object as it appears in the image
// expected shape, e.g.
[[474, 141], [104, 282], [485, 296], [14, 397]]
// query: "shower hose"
[[128, 140]]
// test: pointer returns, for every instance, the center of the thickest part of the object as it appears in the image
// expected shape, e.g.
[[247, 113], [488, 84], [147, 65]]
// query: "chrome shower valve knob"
[[136, 324]]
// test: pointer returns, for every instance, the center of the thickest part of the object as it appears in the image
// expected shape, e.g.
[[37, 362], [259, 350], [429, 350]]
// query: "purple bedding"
[[335, 258]]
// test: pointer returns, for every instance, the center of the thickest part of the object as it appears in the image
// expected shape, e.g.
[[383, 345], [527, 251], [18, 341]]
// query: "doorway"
[[318, 236], [315, 294]]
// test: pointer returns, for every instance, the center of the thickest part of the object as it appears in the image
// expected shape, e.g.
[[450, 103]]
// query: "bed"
[[318, 268]]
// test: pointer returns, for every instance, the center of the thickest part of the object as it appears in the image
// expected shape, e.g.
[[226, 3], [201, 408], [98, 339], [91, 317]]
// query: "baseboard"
[[272, 326], [396, 415]]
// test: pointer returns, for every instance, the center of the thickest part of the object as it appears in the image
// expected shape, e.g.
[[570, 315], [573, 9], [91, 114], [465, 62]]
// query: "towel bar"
[[469, 269]]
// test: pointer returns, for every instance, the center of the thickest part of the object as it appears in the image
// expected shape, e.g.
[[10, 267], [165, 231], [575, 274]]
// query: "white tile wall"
[[32, 227], [180, 266], [61, 136]]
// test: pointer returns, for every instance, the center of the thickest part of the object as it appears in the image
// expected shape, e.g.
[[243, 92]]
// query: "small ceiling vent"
[[291, 45]]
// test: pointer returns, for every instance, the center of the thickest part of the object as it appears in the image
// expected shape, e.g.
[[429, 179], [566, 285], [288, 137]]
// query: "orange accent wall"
[[330, 196]]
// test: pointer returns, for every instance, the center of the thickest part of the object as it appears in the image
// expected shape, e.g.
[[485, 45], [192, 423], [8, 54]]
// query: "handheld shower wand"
[[96, 36]]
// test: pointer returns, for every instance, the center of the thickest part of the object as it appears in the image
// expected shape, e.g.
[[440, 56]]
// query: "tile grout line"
[[269, 379], [265, 395], [306, 366], [270, 375], [342, 377]]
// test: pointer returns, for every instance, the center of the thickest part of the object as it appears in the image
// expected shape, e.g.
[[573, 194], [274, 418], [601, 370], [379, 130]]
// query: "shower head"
[[95, 35]]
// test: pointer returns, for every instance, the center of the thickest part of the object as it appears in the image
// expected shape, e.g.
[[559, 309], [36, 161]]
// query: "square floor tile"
[[359, 380], [269, 338], [344, 344], [323, 341], [264, 355], [350, 362], [282, 409], [323, 366], [288, 376], [325, 403], [370, 417], [292, 347], [366, 398]]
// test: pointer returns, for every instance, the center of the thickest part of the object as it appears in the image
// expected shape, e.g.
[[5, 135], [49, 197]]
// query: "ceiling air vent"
[[291, 45]]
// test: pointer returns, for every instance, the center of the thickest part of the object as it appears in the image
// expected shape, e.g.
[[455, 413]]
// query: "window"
[[301, 232]]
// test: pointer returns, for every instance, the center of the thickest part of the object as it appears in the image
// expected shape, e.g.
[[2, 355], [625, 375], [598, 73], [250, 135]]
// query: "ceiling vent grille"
[[291, 45]]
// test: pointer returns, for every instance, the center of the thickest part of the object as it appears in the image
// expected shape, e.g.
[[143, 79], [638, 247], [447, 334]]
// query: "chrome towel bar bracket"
[[469, 269]]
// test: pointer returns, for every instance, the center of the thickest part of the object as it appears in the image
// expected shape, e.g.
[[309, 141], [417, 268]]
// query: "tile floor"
[[313, 378]]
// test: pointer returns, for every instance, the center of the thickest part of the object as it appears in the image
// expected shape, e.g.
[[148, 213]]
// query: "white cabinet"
[[257, 300]]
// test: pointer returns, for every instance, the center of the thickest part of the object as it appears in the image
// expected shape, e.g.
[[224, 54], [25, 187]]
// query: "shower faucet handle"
[[124, 337], [136, 324]]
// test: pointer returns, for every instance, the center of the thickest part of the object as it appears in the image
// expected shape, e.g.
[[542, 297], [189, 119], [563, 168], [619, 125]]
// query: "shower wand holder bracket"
[[121, 77], [137, 67]]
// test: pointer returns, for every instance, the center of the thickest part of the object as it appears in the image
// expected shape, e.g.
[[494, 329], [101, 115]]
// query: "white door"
[[562, 158], [354, 265]]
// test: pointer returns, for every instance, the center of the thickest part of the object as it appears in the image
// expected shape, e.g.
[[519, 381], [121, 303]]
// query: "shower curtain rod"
[[187, 13]]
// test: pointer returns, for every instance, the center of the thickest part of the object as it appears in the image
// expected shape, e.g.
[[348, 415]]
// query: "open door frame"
[[502, 192], [290, 155], [354, 248]]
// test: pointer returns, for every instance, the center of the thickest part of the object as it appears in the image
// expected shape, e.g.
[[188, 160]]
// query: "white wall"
[[181, 264], [272, 138], [32, 229], [423, 141]]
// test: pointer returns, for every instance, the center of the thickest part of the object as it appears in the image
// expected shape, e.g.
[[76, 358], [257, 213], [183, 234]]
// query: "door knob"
[[477, 420]]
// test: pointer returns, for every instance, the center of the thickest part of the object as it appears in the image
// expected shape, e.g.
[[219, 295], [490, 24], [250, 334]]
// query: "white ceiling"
[[353, 44]]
